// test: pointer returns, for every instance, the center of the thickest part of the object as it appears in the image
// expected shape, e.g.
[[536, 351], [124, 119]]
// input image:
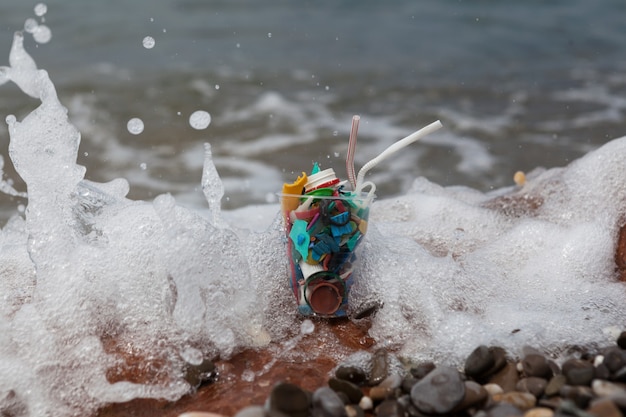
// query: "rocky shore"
[[309, 380]]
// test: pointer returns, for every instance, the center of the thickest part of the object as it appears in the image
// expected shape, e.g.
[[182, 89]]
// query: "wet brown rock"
[[380, 367], [476, 396], [507, 377], [604, 407], [521, 400], [620, 253], [534, 385], [554, 385], [352, 391], [539, 412], [290, 399], [578, 372], [536, 365]]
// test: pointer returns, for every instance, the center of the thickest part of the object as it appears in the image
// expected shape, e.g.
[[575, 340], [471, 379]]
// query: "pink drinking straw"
[[351, 148]]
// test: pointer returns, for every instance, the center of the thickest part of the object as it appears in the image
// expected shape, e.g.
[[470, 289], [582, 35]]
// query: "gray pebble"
[[352, 391], [536, 365], [554, 385], [251, 411], [351, 373], [326, 403], [439, 391], [479, 362], [578, 372]]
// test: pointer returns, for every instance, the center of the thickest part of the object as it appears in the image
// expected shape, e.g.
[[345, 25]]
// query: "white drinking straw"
[[351, 148], [391, 150]]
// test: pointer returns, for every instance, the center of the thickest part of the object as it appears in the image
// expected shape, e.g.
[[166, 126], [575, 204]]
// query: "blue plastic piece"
[[316, 169], [300, 237]]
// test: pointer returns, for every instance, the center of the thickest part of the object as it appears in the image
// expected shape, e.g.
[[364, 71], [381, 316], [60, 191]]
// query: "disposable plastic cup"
[[324, 233]]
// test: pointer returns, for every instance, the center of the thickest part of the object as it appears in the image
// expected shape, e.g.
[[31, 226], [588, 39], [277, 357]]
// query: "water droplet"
[[143, 166], [148, 42], [335, 132], [30, 25], [10, 119], [178, 113], [269, 34], [41, 9], [21, 208], [307, 327], [238, 45], [152, 19], [200, 119], [248, 375], [164, 30], [86, 153], [327, 88], [42, 34], [135, 126], [337, 154]]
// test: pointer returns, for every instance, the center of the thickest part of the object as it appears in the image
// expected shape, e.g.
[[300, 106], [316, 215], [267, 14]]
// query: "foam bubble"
[[135, 126], [200, 119], [42, 34], [40, 9], [148, 42]]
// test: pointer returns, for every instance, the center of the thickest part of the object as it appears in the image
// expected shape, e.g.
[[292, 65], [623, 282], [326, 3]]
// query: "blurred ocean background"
[[517, 85]]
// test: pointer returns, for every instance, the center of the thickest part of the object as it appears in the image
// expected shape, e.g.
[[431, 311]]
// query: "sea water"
[[85, 270]]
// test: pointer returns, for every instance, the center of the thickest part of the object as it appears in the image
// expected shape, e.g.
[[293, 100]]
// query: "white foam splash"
[[86, 267]]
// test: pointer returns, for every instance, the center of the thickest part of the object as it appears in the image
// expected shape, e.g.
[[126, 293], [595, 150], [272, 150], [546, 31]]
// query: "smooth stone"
[[568, 408], [604, 407], [326, 403], [621, 340], [522, 400], [353, 410], [507, 377], [532, 384], [251, 411], [352, 391], [554, 385], [493, 389], [366, 403], [539, 412], [579, 394], [380, 367], [475, 396], [620, 375], [501, 410], [607, 389], [351, 373], [536, 365], [439, 391], [379, 394], [390, 408], [422, 369], [290, 399], [614, 358], [578, 372], [479, 362]]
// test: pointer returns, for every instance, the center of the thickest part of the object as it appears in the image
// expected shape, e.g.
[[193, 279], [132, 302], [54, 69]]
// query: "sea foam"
[[87, 274]]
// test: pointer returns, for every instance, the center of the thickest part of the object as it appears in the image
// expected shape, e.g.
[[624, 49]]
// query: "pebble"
[[197, 375], [522, 400], [607, 389], [352, 391], [507, 377], [290, 399], [536, 365], [500, 410], [579, 394], [439, 391], [390, 408], [539, 412], [493, 389], [380, 367], [386, 388], [326, 403], [534, 385], [614, 358], [604, 407], [479, 362], [351, 373], [251, 411], [353, 410], [422, 369], [621, 340], [366, 403], [475, 396], [578, 372], [554, 385]]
